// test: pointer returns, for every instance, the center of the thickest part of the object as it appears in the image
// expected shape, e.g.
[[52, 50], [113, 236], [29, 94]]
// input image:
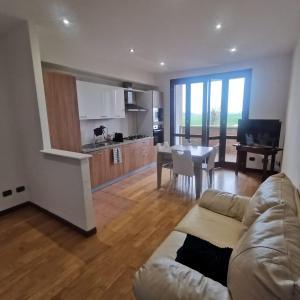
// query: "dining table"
[[199, 155]]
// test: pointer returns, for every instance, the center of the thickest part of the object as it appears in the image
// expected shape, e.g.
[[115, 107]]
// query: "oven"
[[158, 134]]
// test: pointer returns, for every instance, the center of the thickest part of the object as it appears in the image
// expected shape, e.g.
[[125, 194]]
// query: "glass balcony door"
[[214, 115], [205, 111], [188, 113], [235, 107]]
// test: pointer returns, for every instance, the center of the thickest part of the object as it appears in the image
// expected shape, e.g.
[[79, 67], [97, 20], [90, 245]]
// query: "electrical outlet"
[[7, 193], [20, 189]]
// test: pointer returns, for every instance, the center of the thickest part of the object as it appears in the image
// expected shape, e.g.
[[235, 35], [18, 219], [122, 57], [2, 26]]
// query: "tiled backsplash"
[[126, 126]]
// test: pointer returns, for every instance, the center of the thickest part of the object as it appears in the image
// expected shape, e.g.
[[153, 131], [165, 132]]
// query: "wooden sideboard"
[[242, 151]]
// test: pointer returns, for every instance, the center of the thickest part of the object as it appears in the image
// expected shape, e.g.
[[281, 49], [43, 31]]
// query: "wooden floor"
[[41, 258]]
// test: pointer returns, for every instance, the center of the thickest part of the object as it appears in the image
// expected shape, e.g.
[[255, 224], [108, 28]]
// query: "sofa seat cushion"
[[166, 279], [275, 190], [168, 248], [266, 262], [217, 229]]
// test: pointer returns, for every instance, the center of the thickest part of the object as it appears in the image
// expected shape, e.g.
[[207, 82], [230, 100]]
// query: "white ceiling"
[[179, 32]]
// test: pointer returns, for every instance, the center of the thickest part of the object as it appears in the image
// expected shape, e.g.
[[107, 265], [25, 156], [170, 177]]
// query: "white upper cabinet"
[[97, 101], [106, 101], [88, 96], [118, 103]]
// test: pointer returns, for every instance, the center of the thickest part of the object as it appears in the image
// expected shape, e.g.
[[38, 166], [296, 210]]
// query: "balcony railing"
[[214, 132]]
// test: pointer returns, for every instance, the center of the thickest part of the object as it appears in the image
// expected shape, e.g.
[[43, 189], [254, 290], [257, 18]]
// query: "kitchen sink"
[[104, 144], [93, 146]]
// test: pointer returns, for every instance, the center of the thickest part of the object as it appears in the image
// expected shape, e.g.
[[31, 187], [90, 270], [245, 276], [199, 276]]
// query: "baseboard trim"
[[45, 211], [14, 208], [78, 229]]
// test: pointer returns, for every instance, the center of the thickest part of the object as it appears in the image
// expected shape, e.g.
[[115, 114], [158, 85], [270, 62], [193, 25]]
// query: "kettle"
[[118, 137]]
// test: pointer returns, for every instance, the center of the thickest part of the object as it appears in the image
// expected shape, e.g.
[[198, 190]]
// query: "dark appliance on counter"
[[130, 102], [118, 137], [158, 134], [259, 132]]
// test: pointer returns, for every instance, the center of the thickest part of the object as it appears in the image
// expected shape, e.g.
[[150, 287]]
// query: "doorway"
[[205, 111]]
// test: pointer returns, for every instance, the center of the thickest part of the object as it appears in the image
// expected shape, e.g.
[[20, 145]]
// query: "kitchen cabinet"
[[134, 156], [62, 111], [89, 98], [98, 101], [115, 170], [127, 162], [99, 166], [147, 152], [118, 109], [105, 101], [131, 157]]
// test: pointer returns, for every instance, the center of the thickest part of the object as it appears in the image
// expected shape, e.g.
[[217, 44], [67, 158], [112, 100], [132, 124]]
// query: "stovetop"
[[135, 137]]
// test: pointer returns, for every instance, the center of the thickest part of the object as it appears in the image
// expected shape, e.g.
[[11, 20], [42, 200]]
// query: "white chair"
[[183, 165], [166, 147], [185, 142], [210, 165]]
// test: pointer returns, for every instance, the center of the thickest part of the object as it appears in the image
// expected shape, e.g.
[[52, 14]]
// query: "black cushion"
[[204, 257]]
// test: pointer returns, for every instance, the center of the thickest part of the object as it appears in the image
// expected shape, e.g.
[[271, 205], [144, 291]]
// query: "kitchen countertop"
[[89, 148]]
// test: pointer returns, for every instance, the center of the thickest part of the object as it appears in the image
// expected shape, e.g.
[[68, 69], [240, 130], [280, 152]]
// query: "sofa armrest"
[[166, 279], [226, 204]]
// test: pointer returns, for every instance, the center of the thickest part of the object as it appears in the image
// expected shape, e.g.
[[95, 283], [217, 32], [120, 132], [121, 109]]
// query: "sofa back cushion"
[[277, 189], [224, 203], [266, 261]]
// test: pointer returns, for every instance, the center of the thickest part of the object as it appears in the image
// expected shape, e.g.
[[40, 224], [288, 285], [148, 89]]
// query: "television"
[[259, 132]]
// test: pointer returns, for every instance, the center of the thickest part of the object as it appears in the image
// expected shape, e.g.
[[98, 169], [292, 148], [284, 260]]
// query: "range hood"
[[130, 103]]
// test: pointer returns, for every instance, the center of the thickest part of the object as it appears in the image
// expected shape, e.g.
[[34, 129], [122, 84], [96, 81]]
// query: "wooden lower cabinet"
[[134, 156], [99, 166], [148, 152], [128, 154], [114, 170]]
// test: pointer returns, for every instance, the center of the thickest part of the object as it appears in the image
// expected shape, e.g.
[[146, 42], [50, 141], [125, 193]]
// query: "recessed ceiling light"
[[233, 49], [66, 21], [218, 26], [131, 50], [162, 63]]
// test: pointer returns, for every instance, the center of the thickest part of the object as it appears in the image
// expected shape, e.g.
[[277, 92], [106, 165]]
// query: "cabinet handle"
[[104, 116]]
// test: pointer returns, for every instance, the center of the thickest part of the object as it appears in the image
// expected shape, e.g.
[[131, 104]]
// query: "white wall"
[[11, 156], [291, 157], [126, 126], [56, 183], [269, 90]]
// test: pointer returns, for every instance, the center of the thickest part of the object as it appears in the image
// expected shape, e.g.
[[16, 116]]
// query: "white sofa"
[[264, 232]]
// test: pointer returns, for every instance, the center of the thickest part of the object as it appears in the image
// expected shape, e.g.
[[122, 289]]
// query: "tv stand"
[[258, 149]]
